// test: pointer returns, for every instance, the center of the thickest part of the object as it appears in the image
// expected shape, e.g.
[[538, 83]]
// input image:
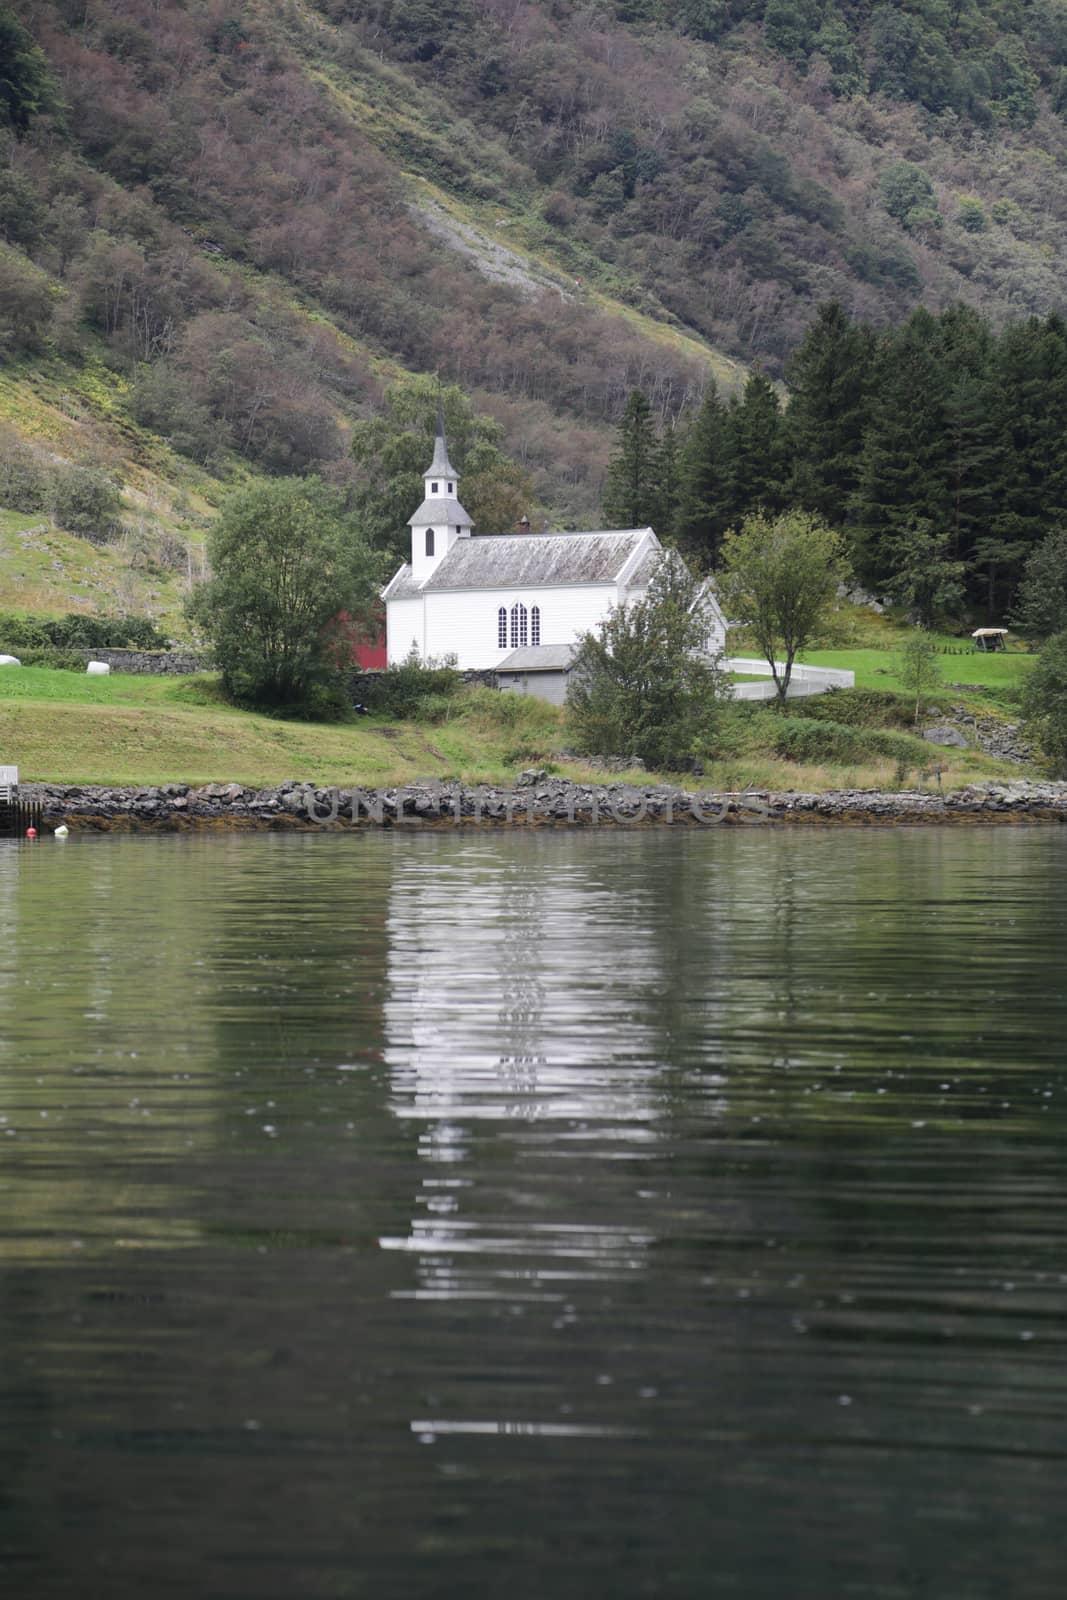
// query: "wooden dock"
[[16, 814]]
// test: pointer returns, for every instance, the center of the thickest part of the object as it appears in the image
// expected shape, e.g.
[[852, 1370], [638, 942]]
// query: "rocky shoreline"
[[535, 800]]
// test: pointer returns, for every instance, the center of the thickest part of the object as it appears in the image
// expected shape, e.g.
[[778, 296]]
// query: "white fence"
[[804, 680]]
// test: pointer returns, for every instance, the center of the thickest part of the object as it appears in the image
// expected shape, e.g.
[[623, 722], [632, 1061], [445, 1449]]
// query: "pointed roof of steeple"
[[440, 466]]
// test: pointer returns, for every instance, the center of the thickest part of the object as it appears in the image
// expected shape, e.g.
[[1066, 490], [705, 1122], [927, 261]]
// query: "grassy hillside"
[[65, 727]]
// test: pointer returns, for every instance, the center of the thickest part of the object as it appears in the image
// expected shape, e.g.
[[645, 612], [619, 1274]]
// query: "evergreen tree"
[[27, 87], [829, 379], [1045, 703], [668, 470], [703, 486], [1031, 416], [965, 350], [759, 468], [1042, 603], [926, 580], [630, 490], [904, 464]]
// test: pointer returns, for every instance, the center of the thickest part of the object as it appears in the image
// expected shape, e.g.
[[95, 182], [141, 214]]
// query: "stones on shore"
[[535, 800]]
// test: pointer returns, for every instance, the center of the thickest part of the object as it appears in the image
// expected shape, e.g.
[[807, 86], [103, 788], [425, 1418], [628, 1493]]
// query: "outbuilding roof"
[[539, 658]]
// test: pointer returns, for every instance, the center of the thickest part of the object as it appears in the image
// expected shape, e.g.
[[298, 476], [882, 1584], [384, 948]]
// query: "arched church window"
[[519, 617], [433, 488], [450, 488], [502, 628], [429, 541], [535, 625]]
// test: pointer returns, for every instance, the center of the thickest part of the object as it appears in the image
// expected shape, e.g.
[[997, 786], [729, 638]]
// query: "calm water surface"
[[543, 1216]]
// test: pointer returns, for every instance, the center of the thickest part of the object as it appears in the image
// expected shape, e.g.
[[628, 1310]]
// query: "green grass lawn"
[[66, 727], [879, 669]]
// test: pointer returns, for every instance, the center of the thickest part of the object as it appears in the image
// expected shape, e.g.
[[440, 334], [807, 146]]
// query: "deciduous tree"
[[919, 668], [778, 579], [286, 563], [393, 450], [643, 683]]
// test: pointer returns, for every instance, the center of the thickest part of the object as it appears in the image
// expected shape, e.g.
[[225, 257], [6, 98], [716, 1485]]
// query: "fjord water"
[[541, 1215]]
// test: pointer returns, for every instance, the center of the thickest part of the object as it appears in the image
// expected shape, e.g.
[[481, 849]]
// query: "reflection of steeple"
[[503, 1048]]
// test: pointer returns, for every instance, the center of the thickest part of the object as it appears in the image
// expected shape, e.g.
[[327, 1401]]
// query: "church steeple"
[[440, 520], [440, 468]]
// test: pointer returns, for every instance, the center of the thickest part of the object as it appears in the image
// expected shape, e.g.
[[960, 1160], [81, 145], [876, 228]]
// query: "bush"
[[1044, 702], [75, 631], [408, 689], [85, 501], [26, 303], [971, 216], [905, 190], [25, 484], [854, 708], [814, 741], [58, 660]]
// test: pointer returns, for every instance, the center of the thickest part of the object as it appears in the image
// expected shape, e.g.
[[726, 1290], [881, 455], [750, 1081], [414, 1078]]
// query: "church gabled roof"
[[526, 560]]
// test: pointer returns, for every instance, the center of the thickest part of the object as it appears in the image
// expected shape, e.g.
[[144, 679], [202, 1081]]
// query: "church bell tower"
[[440, 520]]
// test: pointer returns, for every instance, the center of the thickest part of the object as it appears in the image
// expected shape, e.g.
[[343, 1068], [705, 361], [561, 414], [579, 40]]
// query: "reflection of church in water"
[[510, 1066]]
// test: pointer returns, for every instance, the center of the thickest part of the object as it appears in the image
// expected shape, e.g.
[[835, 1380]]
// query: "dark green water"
[[543, 1217]]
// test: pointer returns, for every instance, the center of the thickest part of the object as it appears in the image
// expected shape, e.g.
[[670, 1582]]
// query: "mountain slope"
[[251, 218]]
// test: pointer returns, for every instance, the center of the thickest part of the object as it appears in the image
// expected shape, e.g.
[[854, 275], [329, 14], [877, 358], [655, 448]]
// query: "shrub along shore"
[[535, 800]]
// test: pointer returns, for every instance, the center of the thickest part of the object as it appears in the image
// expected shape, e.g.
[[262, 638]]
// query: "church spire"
[[440, 466]]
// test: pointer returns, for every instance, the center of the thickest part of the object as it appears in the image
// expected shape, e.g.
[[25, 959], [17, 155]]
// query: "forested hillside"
[[936, 448], [226, 230]]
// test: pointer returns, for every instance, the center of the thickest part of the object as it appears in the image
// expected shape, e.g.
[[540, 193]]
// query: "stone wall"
[[534, 800], [163, 662]]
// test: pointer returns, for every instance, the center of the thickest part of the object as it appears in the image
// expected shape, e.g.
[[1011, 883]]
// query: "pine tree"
[[668, 468], [904, 477], [704, 485], [759, 476], [829, 378], [630, 486], [1029, 409]]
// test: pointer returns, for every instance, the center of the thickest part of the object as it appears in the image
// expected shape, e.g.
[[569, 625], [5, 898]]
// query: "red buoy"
[[31, 833]]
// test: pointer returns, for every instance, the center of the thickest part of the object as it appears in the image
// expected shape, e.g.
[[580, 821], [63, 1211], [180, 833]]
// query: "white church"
[[515, 603]]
